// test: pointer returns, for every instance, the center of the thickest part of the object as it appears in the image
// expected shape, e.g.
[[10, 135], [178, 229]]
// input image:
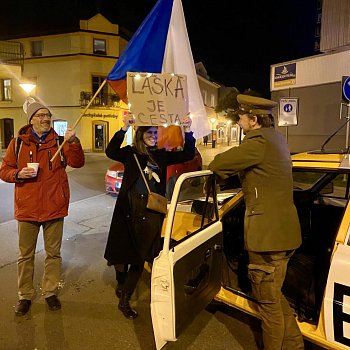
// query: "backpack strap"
[[18, 146]]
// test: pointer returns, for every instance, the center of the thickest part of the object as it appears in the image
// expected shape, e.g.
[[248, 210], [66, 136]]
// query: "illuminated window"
[[60, 126], [100, 47], [6, 90]]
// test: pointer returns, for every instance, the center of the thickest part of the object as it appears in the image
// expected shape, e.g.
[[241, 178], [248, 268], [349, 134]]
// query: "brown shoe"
[[22, 307], [53, 303]]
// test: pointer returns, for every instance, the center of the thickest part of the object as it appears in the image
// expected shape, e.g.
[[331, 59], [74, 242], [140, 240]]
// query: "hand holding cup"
[[30, 171], [35, 167]]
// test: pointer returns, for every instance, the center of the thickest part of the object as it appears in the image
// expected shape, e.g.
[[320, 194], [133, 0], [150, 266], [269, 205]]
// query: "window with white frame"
[[100, 47], [204, 95], [36, 48], [212, 100], [6, 89], [97, 80], [102, 97]]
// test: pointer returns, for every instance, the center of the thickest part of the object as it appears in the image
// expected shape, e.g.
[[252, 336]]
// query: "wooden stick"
[[81, 115]]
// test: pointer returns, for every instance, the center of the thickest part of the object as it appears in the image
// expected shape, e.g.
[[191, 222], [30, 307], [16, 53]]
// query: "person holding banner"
[[135, 231]]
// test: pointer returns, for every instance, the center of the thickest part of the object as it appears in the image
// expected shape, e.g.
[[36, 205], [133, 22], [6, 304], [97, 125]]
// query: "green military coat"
[[264, 165]]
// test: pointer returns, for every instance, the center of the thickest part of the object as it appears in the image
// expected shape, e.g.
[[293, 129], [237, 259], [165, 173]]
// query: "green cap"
[[254, 105]]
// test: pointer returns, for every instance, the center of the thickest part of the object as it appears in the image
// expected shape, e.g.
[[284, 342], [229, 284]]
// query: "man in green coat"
[[271, 226]]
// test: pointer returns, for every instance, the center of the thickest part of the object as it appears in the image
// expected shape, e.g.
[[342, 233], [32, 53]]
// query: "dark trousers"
[[267, 271], [129, 277]]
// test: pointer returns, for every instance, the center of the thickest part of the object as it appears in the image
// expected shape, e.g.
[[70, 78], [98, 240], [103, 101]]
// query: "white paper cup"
[[34, 166]]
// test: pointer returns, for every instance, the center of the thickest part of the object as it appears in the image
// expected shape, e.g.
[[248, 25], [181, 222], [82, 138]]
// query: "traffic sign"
[[346, 88], [288, 111]]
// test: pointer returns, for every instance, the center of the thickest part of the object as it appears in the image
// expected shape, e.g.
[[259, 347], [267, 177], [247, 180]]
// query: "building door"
[[100, 135], [6, 132]]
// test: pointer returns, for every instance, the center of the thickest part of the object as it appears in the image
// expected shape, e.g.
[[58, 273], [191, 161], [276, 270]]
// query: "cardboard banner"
[[157, 99]]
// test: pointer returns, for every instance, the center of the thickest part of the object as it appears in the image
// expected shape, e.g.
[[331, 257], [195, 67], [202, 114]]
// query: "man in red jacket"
[[41, 199]]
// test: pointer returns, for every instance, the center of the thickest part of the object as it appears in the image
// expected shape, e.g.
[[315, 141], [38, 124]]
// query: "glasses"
[[43, 115]]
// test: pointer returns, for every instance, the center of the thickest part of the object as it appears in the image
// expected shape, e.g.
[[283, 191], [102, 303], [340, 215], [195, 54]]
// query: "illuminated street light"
[[27, 87]]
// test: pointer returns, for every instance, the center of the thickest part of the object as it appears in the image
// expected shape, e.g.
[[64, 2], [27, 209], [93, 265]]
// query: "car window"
[[305, 179], [196, 208], [328, 187]]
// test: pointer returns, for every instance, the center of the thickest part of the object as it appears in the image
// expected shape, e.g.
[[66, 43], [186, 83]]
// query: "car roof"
[[321, 161]]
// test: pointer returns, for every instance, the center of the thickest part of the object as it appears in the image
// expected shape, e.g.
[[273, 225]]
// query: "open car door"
[[187, 273]]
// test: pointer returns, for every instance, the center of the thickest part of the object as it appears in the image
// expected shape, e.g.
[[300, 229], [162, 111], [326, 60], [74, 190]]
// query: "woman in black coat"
[[135, 231]]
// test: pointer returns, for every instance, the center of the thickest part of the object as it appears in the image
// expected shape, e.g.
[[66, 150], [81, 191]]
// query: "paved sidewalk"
[[208, 153], [94, 208], [89, 318], [85, 217]]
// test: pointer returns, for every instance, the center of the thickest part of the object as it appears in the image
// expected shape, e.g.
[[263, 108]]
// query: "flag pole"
[[81, 115]]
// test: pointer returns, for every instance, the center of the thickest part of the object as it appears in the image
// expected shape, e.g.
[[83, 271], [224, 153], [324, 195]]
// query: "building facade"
[[222, 130], [67, 70], [11, 58], [317, 83]]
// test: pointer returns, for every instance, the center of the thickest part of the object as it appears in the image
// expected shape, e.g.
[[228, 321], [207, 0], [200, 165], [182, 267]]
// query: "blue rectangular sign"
[[285, 74]]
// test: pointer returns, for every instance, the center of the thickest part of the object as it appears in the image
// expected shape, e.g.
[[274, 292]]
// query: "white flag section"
[[178, 59]]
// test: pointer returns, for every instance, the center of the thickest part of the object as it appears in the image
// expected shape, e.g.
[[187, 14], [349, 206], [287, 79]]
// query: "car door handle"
[[192, 285], [218, 247]]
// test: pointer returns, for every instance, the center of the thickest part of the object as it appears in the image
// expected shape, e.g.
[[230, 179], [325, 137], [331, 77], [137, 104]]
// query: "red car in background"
[[115, 173], [114, 178]]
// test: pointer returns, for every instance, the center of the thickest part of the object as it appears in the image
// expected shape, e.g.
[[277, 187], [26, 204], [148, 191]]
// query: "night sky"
[[237, 41]]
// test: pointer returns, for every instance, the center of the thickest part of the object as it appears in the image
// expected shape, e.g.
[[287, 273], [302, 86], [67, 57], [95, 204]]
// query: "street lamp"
[[213, 135], [28, 88]]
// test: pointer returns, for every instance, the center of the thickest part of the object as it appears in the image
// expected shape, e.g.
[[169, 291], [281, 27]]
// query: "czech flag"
[[161, 45]]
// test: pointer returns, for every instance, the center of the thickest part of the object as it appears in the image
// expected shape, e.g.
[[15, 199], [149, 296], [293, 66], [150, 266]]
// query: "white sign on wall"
[[288, 111], [157, 99]]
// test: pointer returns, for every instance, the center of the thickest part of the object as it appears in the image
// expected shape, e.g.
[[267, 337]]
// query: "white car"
[[203, 256]]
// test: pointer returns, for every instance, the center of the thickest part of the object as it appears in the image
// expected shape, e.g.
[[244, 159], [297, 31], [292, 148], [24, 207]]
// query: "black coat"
[[134, 234]]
